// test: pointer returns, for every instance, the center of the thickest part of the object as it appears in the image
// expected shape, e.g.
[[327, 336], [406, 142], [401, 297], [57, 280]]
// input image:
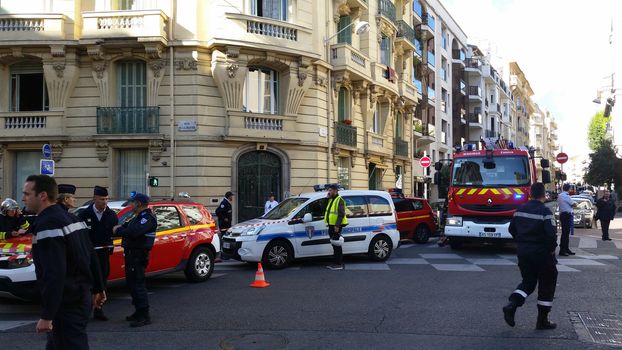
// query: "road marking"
[[617, 243], [366, 267], [6, 325], [458, 267], [564, 268], [498, 262], [407, 261], [587, 243], [441, 256], [579, 262], [407, 245], [599, 257]]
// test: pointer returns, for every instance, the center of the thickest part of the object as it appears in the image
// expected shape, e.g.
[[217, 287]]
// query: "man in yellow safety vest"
[[335, 217]]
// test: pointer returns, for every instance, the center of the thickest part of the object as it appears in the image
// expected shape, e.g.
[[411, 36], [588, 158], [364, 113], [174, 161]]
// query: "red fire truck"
[[484, 189]]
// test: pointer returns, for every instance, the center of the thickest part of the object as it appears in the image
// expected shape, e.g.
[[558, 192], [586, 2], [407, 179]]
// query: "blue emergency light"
[[518, 196], [510, 145]]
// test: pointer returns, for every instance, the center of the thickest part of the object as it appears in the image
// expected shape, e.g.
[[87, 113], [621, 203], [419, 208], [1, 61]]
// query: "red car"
[[186, 240], [415, 218]]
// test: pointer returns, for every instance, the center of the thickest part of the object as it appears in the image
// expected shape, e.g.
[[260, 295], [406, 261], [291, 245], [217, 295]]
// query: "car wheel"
[[380, 248], [200, 265], [422, 234], [277, 255]]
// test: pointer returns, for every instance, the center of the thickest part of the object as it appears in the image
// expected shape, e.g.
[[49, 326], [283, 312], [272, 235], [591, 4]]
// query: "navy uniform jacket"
[[606, 209], [139, 232], [101, 230], [224, 211], [9, 224], [61, 251], [533, 228]]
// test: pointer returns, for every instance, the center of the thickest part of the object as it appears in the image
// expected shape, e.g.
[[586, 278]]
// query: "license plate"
[[226, 245], [490, 234]]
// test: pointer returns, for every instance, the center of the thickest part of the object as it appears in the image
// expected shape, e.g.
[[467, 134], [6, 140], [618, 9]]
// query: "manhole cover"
[[601, 328], [257, 341]]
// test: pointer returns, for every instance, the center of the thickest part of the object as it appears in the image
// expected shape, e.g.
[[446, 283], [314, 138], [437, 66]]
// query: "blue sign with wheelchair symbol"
[[46, 167]]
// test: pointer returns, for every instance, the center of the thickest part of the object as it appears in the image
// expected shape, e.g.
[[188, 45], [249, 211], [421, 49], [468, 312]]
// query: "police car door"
[[380, 213], [312, 237], [354, 234]]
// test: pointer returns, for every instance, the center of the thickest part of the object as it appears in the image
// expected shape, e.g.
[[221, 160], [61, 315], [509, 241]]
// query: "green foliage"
[[603, 164], [596, 131]]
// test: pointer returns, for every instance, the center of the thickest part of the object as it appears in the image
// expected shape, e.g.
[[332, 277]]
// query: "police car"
[[296, 229]]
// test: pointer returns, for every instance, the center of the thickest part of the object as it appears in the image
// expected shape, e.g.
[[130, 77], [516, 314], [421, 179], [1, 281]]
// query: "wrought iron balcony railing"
[[401, 147], [128, 120], [345, 134], [387, 8]]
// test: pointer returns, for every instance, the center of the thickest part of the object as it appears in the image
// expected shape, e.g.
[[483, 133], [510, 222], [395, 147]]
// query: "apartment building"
[[253, 96], [525, 107]]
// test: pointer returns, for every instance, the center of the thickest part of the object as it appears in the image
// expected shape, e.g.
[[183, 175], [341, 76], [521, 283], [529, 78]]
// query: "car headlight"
[[252, 231], [454, 221]]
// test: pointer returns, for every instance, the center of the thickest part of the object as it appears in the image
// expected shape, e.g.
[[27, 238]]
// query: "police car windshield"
[[508, 171], [284, 209]]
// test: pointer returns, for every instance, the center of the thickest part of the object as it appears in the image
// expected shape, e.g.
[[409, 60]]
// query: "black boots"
[[140, 318], [98, 314], [543, 319], [508, 313]]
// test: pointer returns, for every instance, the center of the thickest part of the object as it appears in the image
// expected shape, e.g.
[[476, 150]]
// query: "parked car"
[[416, 220], [584, 212], [186, 239]]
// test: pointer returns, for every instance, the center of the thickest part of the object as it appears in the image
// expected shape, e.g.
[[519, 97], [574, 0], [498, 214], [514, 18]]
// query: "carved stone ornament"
[[233, 52], [17, 51], [156, 66], [100, 67], [232, 69], [101, 148], [57, 50], [302, 76], [96, 52], [57, 151], [153, 50], [156, 147], [186, 64], [59, 68], [320, 81]]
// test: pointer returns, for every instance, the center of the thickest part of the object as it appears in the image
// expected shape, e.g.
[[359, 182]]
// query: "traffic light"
[[153, 181], [608, 106]]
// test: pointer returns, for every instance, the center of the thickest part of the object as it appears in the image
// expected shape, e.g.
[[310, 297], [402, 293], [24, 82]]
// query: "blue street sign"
[[47, 151], [46, 167]]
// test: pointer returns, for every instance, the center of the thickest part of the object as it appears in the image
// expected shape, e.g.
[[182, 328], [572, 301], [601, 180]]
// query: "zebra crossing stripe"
[[617, 243], [585, 242]]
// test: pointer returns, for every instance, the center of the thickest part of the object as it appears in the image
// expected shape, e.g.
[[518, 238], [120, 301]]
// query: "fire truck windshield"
[[507, 171]]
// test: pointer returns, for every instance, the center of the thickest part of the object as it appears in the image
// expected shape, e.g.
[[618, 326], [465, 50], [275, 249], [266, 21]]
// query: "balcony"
[[428, 135], [128, 120], [401, 147], [463, 88], [260, 127], [473, 65], [408, 91], [32, 124], [345, 57], [431, 59], [491, 133], [417, 84], [146, 25], [406, 37], [375, 144], [475, 92], [427, 26], [32, 27], [380, 75], [475, 119], [458, 57], [431, 95], [386, 9], [345, 134]]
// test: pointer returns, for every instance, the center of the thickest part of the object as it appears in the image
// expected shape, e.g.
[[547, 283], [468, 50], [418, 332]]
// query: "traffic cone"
[[260, 280]]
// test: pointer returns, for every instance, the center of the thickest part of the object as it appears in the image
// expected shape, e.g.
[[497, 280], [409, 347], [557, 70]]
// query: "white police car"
[[296, 229]]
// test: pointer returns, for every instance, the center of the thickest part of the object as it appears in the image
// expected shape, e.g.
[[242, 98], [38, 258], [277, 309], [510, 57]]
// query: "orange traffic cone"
[[260, 280]]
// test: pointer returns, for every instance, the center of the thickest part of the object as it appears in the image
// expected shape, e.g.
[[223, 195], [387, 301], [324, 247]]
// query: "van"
[[296, 229]]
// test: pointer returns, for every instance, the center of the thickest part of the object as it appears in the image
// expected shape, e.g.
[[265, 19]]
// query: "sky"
[[563, 49]]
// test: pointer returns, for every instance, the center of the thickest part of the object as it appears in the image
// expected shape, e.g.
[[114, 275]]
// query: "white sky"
[[562, 47]]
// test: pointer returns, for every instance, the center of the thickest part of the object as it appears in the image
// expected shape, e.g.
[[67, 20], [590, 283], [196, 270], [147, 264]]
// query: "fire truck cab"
[[485, 187]]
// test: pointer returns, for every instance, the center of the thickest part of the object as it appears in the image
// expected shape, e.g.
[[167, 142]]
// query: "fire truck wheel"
[[380, 248], [278, 255], [422, 234], [200, 265]]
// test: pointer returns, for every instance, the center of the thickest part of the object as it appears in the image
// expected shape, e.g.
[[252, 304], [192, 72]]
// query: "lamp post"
[[361, 27]]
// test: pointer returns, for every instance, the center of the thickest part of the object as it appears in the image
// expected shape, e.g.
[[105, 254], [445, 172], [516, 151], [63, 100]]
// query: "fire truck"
[[484, 189]]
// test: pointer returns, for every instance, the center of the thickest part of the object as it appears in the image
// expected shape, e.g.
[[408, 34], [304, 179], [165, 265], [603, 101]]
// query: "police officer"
[[335, 218], [533, 229], [225, 213], [61, 253], [12, 222], [138, 236], [66, 196], [565, 203], [100, 219]]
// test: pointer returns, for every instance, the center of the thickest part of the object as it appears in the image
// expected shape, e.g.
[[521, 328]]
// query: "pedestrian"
[[66, 196], [534, 231], [565, 204], [12, 222], [270, 203], [335, 218], [100, 220], [225, 213], [606, 212], [138, 236], [61, 253]]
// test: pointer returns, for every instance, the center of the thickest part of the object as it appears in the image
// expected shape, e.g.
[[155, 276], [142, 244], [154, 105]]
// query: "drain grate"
[[601, 328]]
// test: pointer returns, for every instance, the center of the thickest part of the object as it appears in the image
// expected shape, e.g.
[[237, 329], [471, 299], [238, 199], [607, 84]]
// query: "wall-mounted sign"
[[187, 125]]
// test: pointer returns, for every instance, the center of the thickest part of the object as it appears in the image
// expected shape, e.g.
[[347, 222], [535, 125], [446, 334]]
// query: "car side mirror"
[[544, 163], [546, 176], [307, 218], [438, 166]]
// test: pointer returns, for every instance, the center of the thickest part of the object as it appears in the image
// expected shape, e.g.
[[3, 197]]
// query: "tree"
[[603, 164], [596, 130]]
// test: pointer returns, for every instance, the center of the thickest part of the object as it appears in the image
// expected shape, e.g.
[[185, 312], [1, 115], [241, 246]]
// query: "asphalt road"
[[425, 297]]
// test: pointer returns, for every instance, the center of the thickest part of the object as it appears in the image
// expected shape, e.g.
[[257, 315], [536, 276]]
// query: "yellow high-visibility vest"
[[331, 214]]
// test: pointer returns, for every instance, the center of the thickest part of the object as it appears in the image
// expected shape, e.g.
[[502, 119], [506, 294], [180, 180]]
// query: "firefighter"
[[100, 219], [61, 252], [138, 236], [335, 218], [533, 229], [12, 222]]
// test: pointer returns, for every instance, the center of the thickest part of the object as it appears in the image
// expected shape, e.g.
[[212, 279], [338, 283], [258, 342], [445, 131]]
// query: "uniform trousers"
[[69, 325], [136, 261], [337, 250], [536, 269]]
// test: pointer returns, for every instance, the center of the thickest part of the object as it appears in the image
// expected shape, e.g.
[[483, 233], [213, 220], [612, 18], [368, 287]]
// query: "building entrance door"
[[259, 174]]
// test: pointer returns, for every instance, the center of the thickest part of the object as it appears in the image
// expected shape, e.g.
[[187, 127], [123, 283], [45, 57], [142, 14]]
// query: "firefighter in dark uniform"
[[534, 231], [138, 236], [61, 252], [335, 218], [12, 222], [100, 219]]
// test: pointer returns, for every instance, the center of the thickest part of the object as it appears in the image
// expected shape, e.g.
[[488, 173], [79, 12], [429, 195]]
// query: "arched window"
[[343, 105], [261, 91]]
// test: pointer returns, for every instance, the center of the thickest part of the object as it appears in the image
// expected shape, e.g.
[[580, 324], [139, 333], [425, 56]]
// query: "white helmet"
[[337, 242], [8, 204]]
